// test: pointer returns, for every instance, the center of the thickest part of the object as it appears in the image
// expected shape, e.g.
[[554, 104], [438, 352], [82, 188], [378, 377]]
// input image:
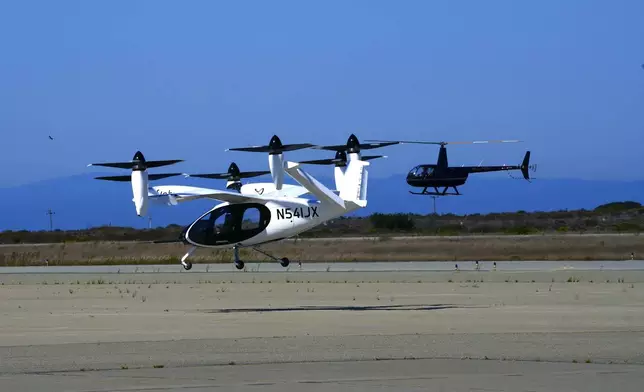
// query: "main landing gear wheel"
[[239, 264], [284, 262], [186, 265]]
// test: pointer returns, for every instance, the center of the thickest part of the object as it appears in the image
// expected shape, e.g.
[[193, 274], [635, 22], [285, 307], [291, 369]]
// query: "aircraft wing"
[[178, 194], [268, 189], [313, 186]]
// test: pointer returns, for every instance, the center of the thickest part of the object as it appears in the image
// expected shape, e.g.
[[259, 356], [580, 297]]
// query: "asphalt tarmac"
[[560, 327], [608, 265], [401, 375]]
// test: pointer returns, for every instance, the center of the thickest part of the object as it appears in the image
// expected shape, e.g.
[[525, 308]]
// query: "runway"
[[419, 375], [540, 327], [398, 266]]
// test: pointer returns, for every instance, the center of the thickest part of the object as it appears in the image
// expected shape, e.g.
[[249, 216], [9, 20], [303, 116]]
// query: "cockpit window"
[[427, 171], [421, 171], [414, 172], [230, 224]]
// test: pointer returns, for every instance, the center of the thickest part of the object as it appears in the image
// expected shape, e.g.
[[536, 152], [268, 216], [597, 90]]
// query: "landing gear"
[[284, 261], [186, 264], [437, 192], [238, 263]]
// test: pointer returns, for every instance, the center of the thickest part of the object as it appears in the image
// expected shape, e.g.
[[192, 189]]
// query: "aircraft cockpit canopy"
[[421, 172], [229, 224]]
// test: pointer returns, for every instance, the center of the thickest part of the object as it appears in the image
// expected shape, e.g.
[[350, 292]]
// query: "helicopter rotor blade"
[[445, 143]]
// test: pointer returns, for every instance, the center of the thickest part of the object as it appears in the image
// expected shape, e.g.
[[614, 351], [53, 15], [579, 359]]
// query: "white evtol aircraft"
[[248, 217]]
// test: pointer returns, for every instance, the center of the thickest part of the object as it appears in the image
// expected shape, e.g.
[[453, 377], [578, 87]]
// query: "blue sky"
[[189, 79]]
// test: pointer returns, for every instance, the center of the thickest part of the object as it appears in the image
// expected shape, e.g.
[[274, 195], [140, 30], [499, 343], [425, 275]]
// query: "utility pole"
[[51, 219], [434, 216]]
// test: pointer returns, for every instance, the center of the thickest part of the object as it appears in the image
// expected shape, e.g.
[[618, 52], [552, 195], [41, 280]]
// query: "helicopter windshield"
[[414, 172], [421, 171], [229, 224]]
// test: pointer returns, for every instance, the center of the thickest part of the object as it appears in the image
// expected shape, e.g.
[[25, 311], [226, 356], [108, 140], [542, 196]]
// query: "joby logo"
[[259, 191]]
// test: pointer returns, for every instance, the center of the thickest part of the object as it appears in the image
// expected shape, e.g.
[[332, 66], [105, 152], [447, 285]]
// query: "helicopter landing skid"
[[437, 192]]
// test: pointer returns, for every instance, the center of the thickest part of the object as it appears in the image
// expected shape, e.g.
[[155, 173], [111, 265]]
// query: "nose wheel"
[[238, 263], [184, 262]]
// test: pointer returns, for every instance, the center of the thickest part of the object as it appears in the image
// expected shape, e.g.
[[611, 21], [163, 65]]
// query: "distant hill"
[[80, 202]]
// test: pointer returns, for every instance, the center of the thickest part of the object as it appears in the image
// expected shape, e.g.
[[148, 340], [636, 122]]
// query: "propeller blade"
[[275, 146], [340, 147], [212, 176], [353, 145], [118, 165], [230, 175], [251, 174], [153, 177], [251, 149], [369, 146], [331, 161], [340, 159], [370, 157], [137, 162], [115, 178], [162, 163]]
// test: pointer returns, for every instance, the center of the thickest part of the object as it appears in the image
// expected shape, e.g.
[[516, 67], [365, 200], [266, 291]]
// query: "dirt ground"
[[464, 248]]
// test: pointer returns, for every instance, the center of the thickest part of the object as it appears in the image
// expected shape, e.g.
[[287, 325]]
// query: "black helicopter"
[[441, 175]]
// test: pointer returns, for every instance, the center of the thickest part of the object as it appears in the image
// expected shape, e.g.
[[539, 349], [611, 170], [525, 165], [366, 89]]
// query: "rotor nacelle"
[[275, 149], [233, 176], [139, 178], [353, 147]]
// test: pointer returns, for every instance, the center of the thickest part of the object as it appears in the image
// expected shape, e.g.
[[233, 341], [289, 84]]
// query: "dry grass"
[[546, 247]]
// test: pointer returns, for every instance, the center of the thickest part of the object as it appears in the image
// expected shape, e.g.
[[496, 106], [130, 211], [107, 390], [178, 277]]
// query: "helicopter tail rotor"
[[526, 167]]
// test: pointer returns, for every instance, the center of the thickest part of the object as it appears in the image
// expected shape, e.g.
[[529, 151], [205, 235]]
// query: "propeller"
[[151, 177], [139, 177], [233, 174], [274, 146], [275, 149], [138, 162], [340, 159], [353, 145]]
